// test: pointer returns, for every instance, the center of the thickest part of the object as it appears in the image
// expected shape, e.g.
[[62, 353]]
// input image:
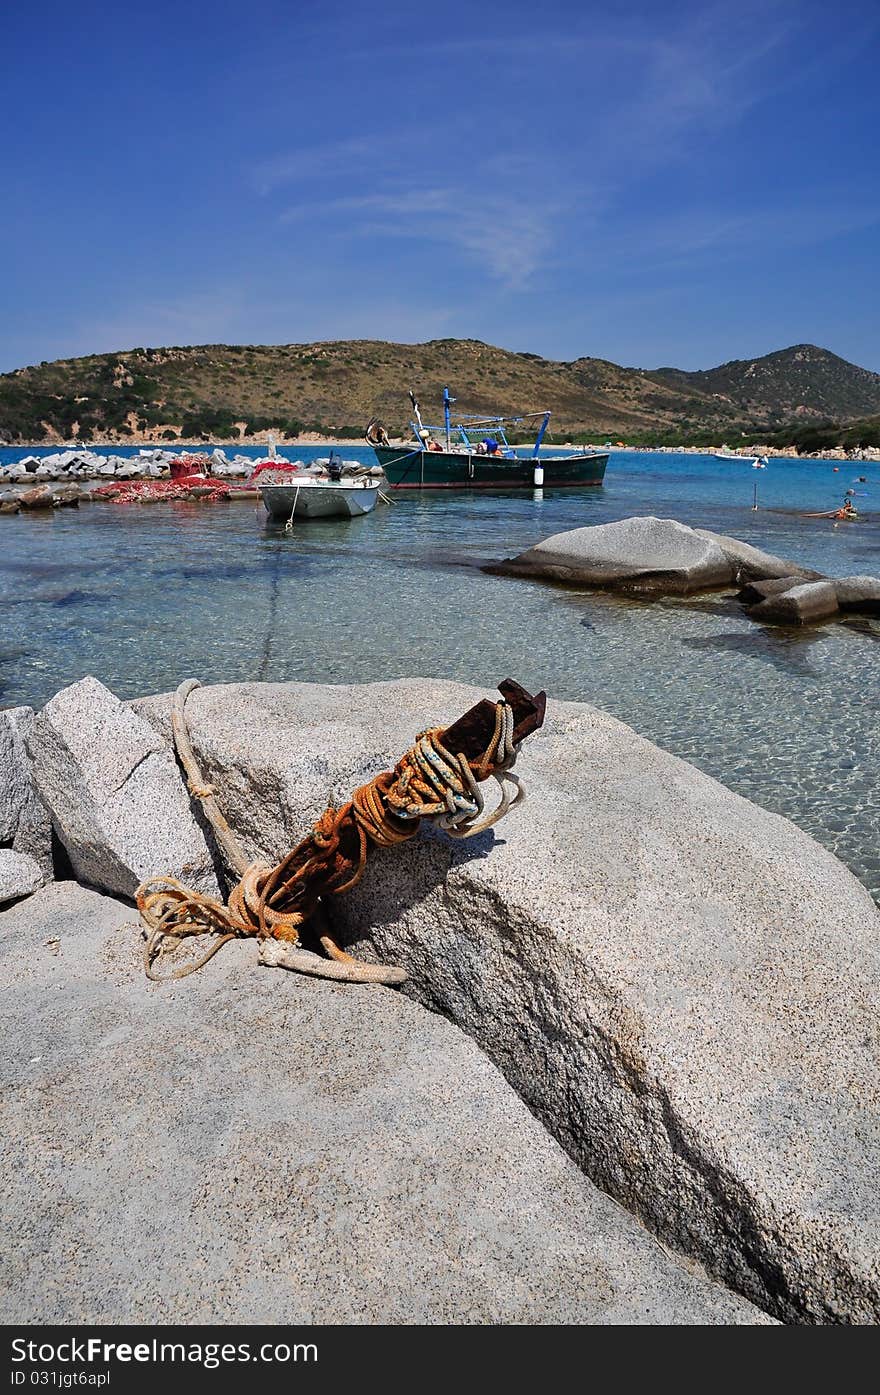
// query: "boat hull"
[[319, 500], [423, 469]]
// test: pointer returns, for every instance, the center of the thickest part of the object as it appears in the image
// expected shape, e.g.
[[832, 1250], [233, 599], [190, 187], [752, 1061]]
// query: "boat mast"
[[540, 435], [447, 401]]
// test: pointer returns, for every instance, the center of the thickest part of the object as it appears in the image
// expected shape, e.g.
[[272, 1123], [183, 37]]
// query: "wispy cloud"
[[649, 94], [507, 238], [317, 162]]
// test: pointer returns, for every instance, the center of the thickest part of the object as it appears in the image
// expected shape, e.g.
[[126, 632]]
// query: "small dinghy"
[[307, 497], [289, 492]]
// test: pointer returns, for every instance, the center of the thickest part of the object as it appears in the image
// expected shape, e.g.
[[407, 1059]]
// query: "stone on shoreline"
[[804, 603], [116, 796], [249, 1146], [20, 875], [683, 986], [655, 556], [25, 826], [38, 498]]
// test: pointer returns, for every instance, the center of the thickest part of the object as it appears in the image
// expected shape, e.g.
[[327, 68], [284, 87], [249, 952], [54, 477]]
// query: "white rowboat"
[[320, 498]]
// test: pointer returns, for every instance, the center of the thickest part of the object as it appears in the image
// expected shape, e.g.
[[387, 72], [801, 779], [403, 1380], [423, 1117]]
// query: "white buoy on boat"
[[539, 476]]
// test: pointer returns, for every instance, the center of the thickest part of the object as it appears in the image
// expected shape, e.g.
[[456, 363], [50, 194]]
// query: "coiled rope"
[[272, 903]]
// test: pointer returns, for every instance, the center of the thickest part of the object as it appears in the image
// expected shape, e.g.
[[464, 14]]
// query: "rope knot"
[[272, 903]]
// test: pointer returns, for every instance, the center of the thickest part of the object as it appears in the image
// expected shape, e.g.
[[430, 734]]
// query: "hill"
[[229, 392], [803, 381]]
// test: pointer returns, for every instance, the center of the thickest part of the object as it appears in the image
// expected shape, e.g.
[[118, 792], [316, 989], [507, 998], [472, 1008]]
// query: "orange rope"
[[428, 782]]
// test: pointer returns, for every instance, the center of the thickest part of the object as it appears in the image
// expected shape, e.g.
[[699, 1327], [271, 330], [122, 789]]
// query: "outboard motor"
[[334, 468]]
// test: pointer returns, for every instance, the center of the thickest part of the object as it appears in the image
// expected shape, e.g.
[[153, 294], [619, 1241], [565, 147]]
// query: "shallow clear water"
[[144, 596]]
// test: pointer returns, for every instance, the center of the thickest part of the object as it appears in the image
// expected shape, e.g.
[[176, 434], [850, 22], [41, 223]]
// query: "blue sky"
[[653, 183]]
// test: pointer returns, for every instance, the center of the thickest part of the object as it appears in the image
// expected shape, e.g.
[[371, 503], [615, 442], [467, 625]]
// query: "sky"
[[652, 183]]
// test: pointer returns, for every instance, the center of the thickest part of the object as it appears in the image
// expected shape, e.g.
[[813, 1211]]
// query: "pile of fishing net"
[[166, 491]]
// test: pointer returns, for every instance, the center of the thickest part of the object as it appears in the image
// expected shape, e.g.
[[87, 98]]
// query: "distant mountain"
[[229, 392], [803, 381]]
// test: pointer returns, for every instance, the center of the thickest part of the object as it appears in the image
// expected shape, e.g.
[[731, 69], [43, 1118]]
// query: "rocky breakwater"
[[653, 557], [33, 482], [84, 465], [260, 1147]]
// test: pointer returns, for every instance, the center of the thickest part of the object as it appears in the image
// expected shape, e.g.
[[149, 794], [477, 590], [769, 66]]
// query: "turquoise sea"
[[145, 596]]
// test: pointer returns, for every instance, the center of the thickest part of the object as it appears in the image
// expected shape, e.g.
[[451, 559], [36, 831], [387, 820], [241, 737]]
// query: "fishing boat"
[[331, 488], [308, 497], [473, 452]]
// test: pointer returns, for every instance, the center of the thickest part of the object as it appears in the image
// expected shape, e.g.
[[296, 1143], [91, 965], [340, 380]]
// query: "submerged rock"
[[117, 800], [756, 591], [684, 987], [859, 593], [255, 1147], [801, 604]]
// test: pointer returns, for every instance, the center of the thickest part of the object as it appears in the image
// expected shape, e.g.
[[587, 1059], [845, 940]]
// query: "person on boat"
[[427, 440], [492, 446]]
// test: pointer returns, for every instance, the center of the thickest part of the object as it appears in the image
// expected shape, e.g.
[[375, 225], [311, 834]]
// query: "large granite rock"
[[25, 826], [803, 604], [656, 556], [250, 1146], [116, 796], [648, 555], [683, 986]]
